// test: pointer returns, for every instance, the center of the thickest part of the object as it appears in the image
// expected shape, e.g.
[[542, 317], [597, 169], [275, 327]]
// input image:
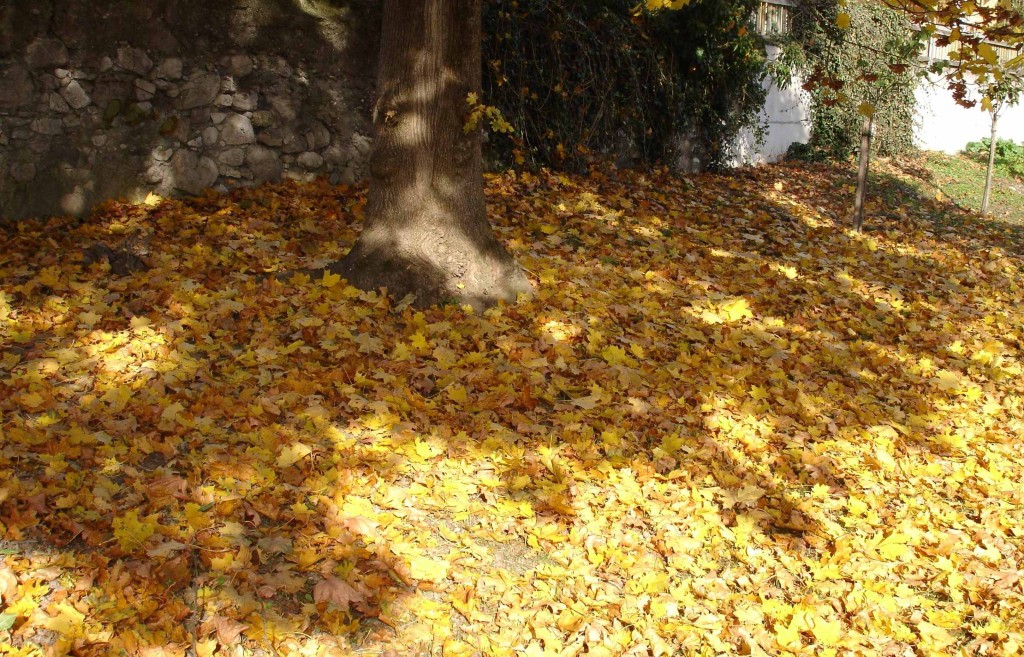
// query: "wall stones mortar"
[[93, 108]]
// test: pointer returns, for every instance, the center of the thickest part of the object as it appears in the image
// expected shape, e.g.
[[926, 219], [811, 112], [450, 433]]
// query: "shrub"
[[597, 76], [1009, 154]]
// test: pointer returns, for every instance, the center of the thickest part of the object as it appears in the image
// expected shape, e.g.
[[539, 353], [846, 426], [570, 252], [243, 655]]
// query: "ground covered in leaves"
[[725, 424]]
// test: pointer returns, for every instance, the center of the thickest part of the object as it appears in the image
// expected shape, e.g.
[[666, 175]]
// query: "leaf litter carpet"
[[724, 425]]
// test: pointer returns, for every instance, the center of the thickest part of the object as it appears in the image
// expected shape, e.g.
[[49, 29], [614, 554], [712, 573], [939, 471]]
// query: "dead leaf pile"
[[725, 424]]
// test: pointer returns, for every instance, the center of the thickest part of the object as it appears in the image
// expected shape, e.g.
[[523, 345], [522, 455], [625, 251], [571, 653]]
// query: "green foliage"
[[1009, 154], [873, 62], [587, 77]]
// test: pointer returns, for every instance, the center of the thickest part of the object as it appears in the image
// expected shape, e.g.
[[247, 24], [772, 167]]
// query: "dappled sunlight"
[[712, 415], [560, 331]]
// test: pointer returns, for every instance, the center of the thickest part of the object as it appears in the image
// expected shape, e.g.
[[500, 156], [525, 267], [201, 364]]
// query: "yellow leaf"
[[843, 21], [457, 393], [330, 279], [206, 648], [426, 450], [946, 381], [988, 53], [614, 355], [735, 310], [30, 400], [428, 569], [419, 343], [292, 454], [866, 108], [68, 621], [89, 319], [827, 633], [894, 546], [934, 637], [788, 637], [131, 531]]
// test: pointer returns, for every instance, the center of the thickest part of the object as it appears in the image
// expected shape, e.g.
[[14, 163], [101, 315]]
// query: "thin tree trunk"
[[862, 173], [426, 231], [991, 166]]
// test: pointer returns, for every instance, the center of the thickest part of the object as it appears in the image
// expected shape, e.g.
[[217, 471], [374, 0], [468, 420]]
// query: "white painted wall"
[[787, 114], [942, 125]]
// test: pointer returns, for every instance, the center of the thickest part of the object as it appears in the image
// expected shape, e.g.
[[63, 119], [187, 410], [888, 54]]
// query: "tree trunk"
[[991, 165], [426, 231], [862, 173]]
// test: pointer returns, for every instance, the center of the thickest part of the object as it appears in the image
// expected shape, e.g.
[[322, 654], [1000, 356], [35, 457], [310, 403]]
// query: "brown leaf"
[[227, 630], [8, 584], [337, 592]]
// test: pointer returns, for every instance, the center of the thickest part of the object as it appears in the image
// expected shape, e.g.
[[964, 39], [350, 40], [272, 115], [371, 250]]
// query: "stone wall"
[[115, 98]]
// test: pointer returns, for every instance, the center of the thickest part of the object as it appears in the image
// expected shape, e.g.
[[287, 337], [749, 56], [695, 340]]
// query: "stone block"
[[169, 69], [133, 59], [232, 157], [243, 102], [263, 119], [46, 53], [237, 130], [285, 107], [210, 135], [239, 65], [47, 126], [192, 173], [75, 95], [23, 172], [310, 161], [319, 137], [264, 163], [145, 86], [200, 91], [57, 104]]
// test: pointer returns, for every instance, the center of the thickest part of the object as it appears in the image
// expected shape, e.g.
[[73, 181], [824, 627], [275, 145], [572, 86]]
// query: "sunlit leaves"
[[723, 426]]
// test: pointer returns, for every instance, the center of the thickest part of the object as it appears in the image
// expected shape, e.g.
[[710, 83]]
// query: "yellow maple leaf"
[[89, 319], [131, 531], [946, 381], [827, 633], [292, 454], [788, 637], [425, 450], [68, 621], [894, 546], [427, 568], [615, 355], [30, 400], [330, 279], [457, 393], [735, 310]]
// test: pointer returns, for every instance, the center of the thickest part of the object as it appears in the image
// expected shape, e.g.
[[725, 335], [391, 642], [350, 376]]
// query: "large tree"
[[426, 231]]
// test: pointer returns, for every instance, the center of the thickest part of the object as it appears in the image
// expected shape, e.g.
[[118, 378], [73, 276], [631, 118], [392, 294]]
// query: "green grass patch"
[[961, 179]]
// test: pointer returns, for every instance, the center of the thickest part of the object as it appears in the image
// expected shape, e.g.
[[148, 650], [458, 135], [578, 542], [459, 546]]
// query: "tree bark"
[[862, 173], [426, 231], [991, 165]]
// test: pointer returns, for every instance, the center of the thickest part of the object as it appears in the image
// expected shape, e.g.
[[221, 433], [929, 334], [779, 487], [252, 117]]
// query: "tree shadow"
[[308, 460]]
